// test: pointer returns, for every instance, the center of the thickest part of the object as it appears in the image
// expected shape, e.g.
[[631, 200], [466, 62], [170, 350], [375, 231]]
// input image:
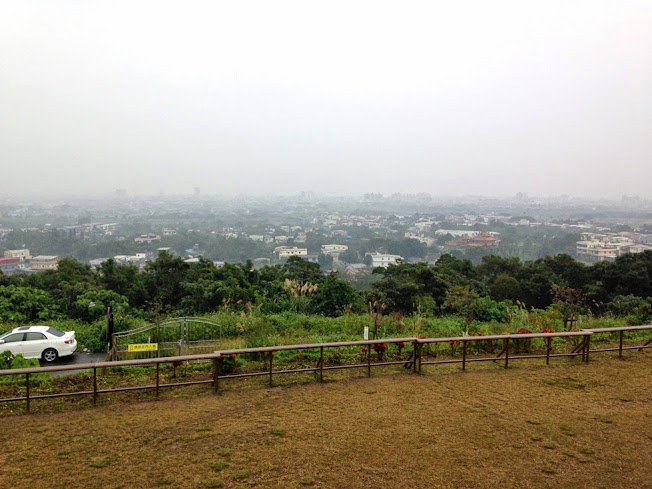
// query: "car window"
[[12, 338], [55, 332], [34, 336]]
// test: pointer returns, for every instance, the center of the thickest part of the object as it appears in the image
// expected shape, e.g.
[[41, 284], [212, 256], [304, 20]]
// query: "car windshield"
[[55, 332]]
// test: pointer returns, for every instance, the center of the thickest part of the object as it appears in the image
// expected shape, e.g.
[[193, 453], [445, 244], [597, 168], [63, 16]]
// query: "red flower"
[[365, 350], [400, 344], [523, 331], [454, 342], [548, 331], [232, 355], [482, 334]]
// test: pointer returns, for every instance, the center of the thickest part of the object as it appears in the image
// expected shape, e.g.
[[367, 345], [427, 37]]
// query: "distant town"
[[351, 236]]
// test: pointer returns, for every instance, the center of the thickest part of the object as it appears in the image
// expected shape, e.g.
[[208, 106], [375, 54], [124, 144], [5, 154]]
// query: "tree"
[[494, 266], [164, 277], [350, 256], [568, 302], [505, 287], [125, 280], [92, 305], [403, 284], [299, 269], [334, 297], [325, 261], [536, 286], [26, 304], [571, 272], [408, 248]]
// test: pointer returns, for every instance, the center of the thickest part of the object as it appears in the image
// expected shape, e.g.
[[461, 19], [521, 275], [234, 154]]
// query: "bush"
[[9, 361], [624, 305], [486, 309]]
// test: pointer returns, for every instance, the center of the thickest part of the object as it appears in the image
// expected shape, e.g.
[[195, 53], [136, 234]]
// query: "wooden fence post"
[[95, 385], [27, 393], [587, 347], [415, 352], [464, 342], [368, 360], [216, 373], [321, 364], [506, 346], [548, 349]]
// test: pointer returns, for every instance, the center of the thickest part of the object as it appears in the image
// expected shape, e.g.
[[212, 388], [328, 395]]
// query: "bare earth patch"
[[568, 425]]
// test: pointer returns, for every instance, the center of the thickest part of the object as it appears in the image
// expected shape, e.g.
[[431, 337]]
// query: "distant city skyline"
[[260, 98], [122, 194]]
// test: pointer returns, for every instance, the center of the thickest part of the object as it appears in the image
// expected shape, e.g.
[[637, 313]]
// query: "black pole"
[[109, 328]]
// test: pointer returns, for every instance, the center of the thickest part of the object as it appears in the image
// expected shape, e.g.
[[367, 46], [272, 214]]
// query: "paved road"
[[74, 359]]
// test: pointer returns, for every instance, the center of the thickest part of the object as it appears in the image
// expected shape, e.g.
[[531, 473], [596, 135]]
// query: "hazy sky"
[[545, 97]]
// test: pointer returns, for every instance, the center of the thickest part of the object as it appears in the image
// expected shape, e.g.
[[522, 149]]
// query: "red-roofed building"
[[480, 240], [9, 266]]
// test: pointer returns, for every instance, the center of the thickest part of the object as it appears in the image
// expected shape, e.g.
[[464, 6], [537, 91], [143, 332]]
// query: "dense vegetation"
[[496, 291]]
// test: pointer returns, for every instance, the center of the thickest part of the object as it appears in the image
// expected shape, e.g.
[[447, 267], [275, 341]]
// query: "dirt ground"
[[569, 425]]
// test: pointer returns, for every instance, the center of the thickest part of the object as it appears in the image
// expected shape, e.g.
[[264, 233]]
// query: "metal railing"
[[414, 361]]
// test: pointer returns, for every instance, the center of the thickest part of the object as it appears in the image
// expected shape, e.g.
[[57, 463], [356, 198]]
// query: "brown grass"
[[568, 425]]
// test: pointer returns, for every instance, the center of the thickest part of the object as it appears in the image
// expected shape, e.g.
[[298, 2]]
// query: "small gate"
[[177, 336]]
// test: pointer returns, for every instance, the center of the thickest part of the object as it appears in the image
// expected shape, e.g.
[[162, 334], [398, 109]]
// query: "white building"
[[638, 248], [456, 233], [97, 262], [147, 238], [333, 249], [428, 241], [45, 262], [384, 260], [22, 255], [601, 247], [284, 253], [596, 249]]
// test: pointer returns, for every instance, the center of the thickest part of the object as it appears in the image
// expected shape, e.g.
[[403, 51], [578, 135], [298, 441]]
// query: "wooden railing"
[[414, 361]]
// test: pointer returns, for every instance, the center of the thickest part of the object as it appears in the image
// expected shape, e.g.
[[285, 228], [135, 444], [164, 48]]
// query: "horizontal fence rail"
[[414, 361]]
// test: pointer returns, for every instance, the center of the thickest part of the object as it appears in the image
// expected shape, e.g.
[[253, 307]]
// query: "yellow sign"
[[143, 347]]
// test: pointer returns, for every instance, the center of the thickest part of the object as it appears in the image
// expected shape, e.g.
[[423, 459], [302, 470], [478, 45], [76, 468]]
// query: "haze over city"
[[343, 98]]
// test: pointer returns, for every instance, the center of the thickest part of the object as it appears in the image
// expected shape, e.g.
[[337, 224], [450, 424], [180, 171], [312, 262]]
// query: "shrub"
[[624, 305], [9, 361]]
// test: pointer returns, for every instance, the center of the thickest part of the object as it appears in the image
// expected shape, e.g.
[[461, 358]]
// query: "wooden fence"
[[414, 362]]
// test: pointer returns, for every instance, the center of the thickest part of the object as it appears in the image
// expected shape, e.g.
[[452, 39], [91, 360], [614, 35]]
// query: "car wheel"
[[50, 355]]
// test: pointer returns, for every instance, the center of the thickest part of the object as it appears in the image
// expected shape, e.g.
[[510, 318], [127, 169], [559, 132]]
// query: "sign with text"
[[366, 332], [143, 347]]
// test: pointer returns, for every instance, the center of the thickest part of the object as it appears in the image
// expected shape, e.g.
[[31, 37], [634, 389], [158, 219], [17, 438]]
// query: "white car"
[[39, 342]]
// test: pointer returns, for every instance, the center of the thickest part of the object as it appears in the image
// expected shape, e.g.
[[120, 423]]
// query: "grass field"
[[568, 425]]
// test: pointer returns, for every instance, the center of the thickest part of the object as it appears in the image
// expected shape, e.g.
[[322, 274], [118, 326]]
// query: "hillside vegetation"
[[296, 301]]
